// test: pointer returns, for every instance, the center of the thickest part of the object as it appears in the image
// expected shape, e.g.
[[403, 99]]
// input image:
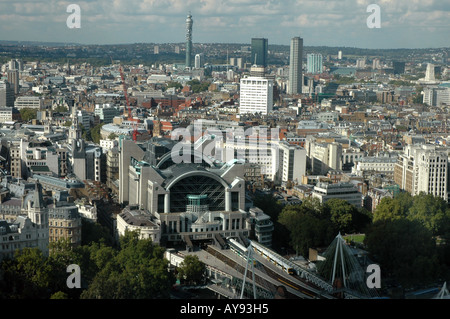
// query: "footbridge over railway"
[[241, 268]]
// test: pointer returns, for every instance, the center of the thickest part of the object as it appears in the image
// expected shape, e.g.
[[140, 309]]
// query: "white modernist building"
[[423, 168], [30, 102], [256, 95], [314, 63], [436, 96], [345, 191], [263, 153], [293, 161]]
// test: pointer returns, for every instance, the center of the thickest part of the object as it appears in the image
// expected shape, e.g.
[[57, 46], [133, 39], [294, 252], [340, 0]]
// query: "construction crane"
[[125, 92], [135, 131]]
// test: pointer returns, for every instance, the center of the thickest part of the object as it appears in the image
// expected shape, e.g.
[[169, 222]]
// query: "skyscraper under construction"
[[189, 23]]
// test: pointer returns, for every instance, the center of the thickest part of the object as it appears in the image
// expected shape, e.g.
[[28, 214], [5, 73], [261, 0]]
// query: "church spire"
[[38, 198]]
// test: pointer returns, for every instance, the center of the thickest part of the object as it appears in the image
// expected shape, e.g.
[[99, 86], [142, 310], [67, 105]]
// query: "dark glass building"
[[399, 67], [260, 49]]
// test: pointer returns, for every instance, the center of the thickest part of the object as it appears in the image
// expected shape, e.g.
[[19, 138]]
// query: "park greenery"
[[191, 270], [92, 134], [61, 109], [408, 236], [136, 269], [28, 114], [312, 224], [196, 85]]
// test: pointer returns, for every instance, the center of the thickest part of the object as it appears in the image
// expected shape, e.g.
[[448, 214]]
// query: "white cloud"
[[227, 20]]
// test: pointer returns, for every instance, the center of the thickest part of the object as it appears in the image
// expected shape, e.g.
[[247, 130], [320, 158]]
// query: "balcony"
[[266, 227]]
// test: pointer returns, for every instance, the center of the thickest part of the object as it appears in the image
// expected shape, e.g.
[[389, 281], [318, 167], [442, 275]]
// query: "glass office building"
[[260, 49]]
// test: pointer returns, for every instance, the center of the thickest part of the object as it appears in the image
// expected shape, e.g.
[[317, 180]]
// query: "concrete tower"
[[13, 79], [189, 23], [429, 75], [74, 130], [295, 66]]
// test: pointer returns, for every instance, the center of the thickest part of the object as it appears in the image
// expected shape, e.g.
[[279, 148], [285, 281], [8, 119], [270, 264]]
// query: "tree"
[[61, 255], [176, 85], [431, 211], [93, 258], [393, 208], [192, 270], [418, 98], [346, 217], [25, 276], [341, 213], [308, 227], [28, 114], [112, 136], [272, 207], [94, 232], [59, 295], [269, 205], [198, 86], [95, 133], [138, 270], [61, 109], [405, 250]]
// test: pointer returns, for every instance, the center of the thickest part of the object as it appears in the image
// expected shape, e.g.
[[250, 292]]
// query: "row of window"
[[16, 245], [60, 231], [60, 224]]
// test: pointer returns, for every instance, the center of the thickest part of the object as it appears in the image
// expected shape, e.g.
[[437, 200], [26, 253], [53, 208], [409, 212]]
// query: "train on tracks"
[[268, 254]]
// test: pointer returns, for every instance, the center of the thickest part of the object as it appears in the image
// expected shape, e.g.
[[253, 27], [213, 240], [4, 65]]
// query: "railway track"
[[310, 293]]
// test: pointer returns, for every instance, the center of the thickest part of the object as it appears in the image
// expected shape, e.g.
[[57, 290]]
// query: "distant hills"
[[35, 43], [136, 53]]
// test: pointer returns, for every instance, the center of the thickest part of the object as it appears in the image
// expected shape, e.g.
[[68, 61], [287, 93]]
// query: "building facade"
[[31, 102], [132, 219], [295, 66], [30, 229], [324, 156], [198, 200], [345, 191], [314, 63], [293, 162], [260, 49], [366, 166], [256, 95], [6, 94], [64, 223], [423, 168]]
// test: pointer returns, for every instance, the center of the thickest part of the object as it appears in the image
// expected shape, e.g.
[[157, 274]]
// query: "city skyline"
[[403, 24]]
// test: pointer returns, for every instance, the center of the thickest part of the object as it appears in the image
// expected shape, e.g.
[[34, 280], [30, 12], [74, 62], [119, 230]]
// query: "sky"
[[403, 23]]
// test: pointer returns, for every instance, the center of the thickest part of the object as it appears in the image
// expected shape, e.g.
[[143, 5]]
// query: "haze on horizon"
[[334, 23]]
